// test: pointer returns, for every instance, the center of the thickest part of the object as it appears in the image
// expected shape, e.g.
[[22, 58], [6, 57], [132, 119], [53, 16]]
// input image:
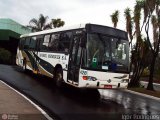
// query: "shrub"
[[145, 72], [5, 56]]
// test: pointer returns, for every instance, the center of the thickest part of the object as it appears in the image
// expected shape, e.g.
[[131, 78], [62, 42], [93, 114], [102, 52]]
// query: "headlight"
[[125, 81]]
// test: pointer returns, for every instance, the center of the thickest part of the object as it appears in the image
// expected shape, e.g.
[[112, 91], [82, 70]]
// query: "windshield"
[[107, 53]]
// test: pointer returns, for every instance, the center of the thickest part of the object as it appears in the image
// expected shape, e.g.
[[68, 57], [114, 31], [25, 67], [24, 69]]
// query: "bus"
[[84, 56]]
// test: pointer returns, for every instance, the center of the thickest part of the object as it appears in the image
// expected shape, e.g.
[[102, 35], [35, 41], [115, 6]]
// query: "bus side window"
[[39, 42], [21, 43], [64, 41], [32, 44], [44, 43], [53, 45], [76, 52], [27, 42]]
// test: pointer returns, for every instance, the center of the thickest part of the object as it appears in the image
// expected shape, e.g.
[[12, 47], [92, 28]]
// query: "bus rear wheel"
[[59, 77]]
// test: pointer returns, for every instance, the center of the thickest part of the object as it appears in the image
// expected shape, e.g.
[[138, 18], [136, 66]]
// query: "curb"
[[156, 86], [29, 100], [144, 95], [153, 83]]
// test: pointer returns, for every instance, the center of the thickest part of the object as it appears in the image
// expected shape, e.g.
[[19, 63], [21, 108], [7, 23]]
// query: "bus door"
[[74, 60], [36, 52]]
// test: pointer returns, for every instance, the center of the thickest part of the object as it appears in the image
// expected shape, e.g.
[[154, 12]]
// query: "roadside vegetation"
[[5, 56], [35, 24], [145, 51]]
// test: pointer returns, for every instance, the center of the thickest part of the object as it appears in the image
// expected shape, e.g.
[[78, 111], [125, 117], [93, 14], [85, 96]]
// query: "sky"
[[71, 11]]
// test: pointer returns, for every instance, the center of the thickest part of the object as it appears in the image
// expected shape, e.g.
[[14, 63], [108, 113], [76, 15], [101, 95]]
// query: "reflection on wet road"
[[74, 104], [132, 103]]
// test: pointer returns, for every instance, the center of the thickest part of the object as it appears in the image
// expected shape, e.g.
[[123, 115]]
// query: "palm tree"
[[129, 27], [137, 17], [115, 17], [157, 6], [137, 53], [129, 23], [145, 10], [57, 23], [154, 22], [149, 6], [39, 24]]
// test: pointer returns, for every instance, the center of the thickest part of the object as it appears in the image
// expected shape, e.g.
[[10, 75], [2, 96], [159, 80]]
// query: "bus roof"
[[55, 30], [93, 27]]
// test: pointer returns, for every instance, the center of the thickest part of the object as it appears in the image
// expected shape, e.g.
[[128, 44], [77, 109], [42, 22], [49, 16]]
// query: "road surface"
[[74, 104]]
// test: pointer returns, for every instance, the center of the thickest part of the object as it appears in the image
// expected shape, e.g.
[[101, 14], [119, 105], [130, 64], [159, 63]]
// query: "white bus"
[[84, 56]]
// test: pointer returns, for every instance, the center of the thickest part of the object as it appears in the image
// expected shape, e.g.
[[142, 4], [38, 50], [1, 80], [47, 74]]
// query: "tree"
[[137, 18], [57, 23], [137, 54], [129, 24], [129, 28], [153, 5], [154, 22], [146, 52], [39, 24], [114, 18]]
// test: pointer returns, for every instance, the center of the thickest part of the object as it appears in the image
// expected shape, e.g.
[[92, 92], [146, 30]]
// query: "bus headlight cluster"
[[125, 81], [89, 78]]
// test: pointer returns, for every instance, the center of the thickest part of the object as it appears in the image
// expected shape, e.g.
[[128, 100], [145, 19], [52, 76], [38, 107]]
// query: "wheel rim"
[[24, 68], [59, 76]]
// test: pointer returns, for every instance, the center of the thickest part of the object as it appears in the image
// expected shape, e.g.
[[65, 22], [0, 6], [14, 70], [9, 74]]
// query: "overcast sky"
[[71, 11]]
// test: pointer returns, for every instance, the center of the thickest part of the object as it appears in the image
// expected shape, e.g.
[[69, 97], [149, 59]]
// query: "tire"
[[59, 77]]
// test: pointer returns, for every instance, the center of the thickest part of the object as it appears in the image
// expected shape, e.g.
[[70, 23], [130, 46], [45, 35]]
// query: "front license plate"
[[108, 86]]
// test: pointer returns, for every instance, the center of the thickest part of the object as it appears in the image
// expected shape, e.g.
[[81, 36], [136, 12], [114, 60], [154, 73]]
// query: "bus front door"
[[39, 40], [74, 61]]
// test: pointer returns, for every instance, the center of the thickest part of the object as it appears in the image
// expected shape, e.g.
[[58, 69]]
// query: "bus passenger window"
[[26, 44], [39, 40], [21, 43], [64, 42], [53, 44], [44, 44], [32, 44]]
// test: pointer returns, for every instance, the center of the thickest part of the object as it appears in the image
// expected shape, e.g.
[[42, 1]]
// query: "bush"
[[157, 74], [5, 56], [145, 72]]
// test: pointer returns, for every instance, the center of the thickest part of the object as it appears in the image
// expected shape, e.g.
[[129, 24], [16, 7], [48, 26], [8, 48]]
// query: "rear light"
[[89, 78], [85, 78]]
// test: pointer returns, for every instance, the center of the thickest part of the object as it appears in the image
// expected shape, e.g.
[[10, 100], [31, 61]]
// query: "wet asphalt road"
[[74, 104]]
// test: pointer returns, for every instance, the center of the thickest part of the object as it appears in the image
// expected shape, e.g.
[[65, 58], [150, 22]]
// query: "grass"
[[148, 92]]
